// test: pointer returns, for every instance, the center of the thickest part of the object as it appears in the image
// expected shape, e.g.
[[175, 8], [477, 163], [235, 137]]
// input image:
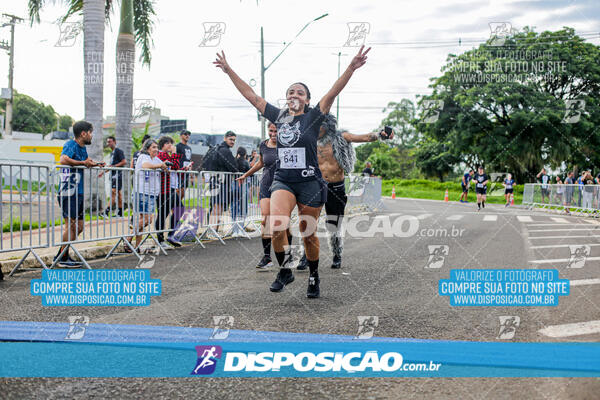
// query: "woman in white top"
[[146, 188], [560, 189]]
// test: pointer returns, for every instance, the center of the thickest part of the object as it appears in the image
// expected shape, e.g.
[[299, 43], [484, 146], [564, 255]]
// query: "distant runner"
[[481, 179]]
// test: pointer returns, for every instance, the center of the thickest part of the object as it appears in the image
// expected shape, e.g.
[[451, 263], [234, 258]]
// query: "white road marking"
[[558, 260], [490, 218], [589, 221], [563, 230], [564, 237], [582, 282], [524, 218], [575, 329], [423, 216], [455, 217], [559, 219], [552, 246], [557, 224]]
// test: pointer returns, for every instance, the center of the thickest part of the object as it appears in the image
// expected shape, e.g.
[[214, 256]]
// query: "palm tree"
[[135, 18], [136, 23], [94, 14]]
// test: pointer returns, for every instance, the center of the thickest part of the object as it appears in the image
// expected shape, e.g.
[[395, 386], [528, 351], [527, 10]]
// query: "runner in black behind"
[[481, 179], [267, 159], [297, 179]]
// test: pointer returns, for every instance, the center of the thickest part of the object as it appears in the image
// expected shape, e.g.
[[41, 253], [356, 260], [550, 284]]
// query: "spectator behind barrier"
[[221, 186], [367, 171], [70, 192], [117, 160], [146, 188], [168, 200], [239, 208]]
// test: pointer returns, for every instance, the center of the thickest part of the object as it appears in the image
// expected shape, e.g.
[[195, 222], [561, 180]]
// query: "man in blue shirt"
[[465, 186], [70, 192]]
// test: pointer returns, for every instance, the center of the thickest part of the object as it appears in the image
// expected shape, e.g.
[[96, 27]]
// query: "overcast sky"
[[410, 40]]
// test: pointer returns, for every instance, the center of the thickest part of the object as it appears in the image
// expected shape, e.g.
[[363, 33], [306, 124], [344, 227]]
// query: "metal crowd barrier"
[[364, 193], [230, 202], [581, 199], [79, 214], [61, 206], [24, 210]]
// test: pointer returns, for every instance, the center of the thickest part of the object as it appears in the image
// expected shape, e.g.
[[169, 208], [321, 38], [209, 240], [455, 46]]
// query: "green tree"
[[65, 122], [434, 159], [401, 117], [507, 112], [30, 115]]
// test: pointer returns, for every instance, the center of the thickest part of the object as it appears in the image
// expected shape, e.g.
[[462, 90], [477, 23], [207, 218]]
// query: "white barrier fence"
[[61, 206], [580, 199]]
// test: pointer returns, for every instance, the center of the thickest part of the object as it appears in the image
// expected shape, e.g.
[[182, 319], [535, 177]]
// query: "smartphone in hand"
[[387, 131]]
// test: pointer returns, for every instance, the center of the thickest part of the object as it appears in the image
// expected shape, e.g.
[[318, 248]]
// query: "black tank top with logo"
[[269, 158], [296, 144]]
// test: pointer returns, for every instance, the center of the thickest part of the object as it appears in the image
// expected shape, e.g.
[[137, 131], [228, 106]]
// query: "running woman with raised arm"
[[297, 180]]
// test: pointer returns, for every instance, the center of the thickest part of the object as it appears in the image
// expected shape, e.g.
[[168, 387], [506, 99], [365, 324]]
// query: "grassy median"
[[433, 190]]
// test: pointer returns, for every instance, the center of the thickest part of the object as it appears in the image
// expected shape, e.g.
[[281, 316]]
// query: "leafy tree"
[[400, 117], [434, 159], [65, 122], [30, 115], [507, 112]]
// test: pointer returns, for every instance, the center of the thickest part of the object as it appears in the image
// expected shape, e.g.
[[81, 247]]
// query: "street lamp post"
[[264, 69], [337, 100]]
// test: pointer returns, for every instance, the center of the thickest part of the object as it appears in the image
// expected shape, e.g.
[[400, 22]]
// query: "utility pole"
[[11, 59], [337, 100], [263, 69]]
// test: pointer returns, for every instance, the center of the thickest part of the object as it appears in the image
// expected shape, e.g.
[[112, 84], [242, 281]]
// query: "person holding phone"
[[297, 180], [336, 156], [70, 191], [146, 188], [169, 201]]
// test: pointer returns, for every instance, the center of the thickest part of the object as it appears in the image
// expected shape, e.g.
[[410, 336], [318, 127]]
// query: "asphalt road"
[[383, 275]]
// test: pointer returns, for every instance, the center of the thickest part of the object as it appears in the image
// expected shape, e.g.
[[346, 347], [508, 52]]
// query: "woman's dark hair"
[[146, 137], [306, 107], [164, 140], [241, 151], [146, 145]]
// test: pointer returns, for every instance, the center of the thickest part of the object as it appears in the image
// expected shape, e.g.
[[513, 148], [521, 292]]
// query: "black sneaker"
[[337, 262], [284, 277], [265, 263], [67, 261], [302, 264], [174, 242], [120, 213], [313, 291], [1, 274]]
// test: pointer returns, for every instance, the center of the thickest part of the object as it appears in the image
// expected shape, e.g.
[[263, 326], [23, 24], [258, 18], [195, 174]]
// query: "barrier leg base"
[[18, 265], [214, 232], [125, 243], [156, 242]]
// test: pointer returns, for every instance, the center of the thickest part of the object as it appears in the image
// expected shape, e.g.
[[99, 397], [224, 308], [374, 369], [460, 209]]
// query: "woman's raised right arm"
[[258, 102]]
